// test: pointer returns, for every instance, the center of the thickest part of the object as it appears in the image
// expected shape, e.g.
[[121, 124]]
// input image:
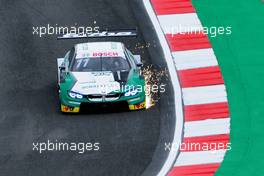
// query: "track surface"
[[29, 102]]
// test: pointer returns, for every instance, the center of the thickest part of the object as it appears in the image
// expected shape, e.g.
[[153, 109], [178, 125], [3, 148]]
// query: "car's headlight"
[[131, 92], [75, 95]]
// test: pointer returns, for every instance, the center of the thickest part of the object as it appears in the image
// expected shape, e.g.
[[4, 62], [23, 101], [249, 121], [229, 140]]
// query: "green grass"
[[241, 58]]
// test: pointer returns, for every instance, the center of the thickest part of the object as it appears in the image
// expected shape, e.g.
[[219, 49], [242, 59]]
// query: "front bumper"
[[69, 105]]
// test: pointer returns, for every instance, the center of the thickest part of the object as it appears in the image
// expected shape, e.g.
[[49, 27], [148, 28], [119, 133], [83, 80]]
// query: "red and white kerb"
[[206, 112]]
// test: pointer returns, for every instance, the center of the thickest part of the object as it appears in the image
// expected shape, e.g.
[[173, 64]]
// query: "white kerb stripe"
[[200, 157], [207, 127], [194, 59], [204, 95], [179, 23]]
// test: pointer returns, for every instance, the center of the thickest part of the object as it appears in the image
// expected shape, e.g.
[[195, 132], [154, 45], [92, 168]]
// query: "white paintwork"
[[194, 59], [180, 23], [176, 88], [204, 95], [95, 83], [200, 157], [207, 127]]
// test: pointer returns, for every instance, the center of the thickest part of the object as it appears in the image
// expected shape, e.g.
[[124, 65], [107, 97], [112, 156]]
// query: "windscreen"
[[100, 64]]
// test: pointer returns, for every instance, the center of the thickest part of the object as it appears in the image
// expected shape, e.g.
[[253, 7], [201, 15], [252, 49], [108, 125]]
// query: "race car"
[[95, 73]]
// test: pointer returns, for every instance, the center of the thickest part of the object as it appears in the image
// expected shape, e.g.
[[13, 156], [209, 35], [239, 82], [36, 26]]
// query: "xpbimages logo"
[[80, 147], [196, 146], [57, 30]]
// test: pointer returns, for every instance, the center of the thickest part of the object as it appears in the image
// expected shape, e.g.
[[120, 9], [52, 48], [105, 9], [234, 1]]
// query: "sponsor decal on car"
[[137, 106], [105, 54], [69, 109]]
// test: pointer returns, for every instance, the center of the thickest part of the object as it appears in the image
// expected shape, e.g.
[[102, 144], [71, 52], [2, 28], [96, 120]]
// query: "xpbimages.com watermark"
[[196, 146], [212, 31], [51, 146], [49, 29]]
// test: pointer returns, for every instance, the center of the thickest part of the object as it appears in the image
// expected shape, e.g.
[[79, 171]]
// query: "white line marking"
[[194, 59], [200, 157], [176, 87], [207, 127], [180, 23], [204, 95]]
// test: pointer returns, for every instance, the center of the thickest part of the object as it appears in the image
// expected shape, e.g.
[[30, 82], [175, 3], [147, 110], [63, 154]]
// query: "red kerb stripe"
[[166, 7], [206, 111], [188, 41], [201, 77], [201, 170]]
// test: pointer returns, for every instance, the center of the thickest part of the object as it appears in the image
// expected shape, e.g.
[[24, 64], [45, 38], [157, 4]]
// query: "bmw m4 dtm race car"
[[100, 73]]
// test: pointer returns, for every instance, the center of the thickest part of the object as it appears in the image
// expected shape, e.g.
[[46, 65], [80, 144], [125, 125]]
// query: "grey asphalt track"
[[29, 103]]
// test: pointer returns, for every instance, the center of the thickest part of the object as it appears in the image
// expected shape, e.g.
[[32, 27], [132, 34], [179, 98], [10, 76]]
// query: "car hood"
[[90, 83]]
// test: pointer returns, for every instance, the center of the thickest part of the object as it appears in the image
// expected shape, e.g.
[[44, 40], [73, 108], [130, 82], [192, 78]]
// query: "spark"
[[152, 77]]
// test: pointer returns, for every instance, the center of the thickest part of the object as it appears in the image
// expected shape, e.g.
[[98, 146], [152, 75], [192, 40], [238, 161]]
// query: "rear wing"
[[100, 34]]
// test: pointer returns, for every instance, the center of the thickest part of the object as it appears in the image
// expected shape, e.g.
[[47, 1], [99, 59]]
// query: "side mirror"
[[66, 66], [138, 60], [64, 69], [139, 64]]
